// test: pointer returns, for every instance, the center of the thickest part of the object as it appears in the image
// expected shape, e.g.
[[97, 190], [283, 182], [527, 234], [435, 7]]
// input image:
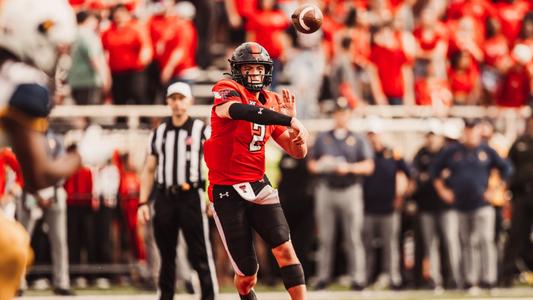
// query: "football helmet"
[[33, 30], [251, 53]]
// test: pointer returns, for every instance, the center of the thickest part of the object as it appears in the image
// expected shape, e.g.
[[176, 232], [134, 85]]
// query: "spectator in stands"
[[238, 12], [511, 13], [162, 26], [431, 44], [430, 89], [496, 57], [179, 54], [463, 76], [106, 188], [515, 87], [89, 76], [266, 28], [461, 176], [436, 216], [129, 51], [521, 186], [204, 24], [382, 205], [50, 204], [80, 226], [388, 68], [343, 79], [341, 157]]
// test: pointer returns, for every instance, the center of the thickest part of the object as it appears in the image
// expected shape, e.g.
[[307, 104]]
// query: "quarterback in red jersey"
[[244, 116]]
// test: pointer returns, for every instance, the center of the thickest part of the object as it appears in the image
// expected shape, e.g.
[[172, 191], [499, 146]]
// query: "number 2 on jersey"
[[258, 137]]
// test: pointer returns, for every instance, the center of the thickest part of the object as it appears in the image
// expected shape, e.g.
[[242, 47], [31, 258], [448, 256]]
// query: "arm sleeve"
[[258, 115]]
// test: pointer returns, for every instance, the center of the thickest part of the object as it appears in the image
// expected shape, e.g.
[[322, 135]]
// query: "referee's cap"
[[179, 88]]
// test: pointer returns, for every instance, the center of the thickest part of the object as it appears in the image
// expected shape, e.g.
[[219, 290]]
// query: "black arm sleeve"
[[258, 115]]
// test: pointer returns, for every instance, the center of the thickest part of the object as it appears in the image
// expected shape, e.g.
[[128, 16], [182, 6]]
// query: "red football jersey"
[[235, 152]]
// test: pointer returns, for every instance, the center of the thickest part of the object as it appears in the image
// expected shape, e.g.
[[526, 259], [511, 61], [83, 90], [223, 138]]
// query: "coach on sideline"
[[175, 153]]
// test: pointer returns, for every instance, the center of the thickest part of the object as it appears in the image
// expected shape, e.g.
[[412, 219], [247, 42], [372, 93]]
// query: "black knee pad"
[[278, 235], [250, 296], [292, 275], [248, 266]]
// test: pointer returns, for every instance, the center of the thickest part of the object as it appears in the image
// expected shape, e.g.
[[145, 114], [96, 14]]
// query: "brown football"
[[307, 18]]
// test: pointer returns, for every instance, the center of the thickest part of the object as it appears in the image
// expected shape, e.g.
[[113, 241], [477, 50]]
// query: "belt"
[[184, 187]]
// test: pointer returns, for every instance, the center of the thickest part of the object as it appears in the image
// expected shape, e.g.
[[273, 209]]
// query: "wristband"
[[258, 115]]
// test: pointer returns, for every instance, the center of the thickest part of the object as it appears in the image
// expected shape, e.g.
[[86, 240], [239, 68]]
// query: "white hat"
[[186, 10], [179, 88]]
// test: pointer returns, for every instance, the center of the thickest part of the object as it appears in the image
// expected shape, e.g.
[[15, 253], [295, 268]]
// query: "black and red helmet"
[[251, 53]]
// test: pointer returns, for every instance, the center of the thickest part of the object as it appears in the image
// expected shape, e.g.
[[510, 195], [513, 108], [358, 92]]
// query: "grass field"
[[132, 294]]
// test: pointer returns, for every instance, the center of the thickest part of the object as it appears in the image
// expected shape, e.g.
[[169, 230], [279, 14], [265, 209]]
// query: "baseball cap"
[[179, 88]]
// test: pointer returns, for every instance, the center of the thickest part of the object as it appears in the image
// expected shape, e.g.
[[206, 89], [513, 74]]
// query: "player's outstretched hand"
[[143, 214], [286, 103], [299, 133]]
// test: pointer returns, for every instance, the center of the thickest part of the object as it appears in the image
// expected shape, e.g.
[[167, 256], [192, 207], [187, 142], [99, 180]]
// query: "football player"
[[244, 116], [31, 35]]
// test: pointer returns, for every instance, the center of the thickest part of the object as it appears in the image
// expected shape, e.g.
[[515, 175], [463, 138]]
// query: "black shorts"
[[235, 218]]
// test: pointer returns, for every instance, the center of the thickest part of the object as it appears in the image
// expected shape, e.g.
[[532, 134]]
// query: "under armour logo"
[[260, 111], [226, 194]]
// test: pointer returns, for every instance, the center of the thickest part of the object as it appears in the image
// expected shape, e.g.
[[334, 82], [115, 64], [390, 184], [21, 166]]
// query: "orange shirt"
[[124, 45], [162, 30], [186, 39]]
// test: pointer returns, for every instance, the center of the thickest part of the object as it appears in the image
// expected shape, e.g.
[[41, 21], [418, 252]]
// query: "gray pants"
[[56, 219], [387, 228], [447, 221], [476, 231], [346, 205]]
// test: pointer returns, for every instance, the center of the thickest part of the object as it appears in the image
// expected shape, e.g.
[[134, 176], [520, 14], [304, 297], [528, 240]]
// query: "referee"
[[174, 159]]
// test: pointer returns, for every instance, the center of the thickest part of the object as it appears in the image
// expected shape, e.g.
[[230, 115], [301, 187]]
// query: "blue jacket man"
[[461, 176]]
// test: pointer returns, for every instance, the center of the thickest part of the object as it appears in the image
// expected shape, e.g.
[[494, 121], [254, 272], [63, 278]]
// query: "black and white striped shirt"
[[179, 151]]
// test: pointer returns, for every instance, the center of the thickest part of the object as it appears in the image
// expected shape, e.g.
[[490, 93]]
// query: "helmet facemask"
[[251, 53], [245, 80]]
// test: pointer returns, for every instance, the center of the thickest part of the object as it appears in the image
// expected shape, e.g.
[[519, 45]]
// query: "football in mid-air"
[[307, 18]]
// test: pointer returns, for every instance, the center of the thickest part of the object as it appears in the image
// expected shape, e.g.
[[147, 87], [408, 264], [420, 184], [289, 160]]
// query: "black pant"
[[129, 87], [521, 221], [185, 211], [103, 249], [80, 232], [87, 95]]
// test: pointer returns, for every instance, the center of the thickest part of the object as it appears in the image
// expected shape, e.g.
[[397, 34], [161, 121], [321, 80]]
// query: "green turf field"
[[128, 293]]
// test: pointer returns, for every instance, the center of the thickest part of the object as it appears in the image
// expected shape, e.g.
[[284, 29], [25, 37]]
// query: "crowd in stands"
[[425, 52]]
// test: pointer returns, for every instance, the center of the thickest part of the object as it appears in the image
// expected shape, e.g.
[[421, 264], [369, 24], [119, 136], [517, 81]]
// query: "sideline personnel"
[[175, 155]]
